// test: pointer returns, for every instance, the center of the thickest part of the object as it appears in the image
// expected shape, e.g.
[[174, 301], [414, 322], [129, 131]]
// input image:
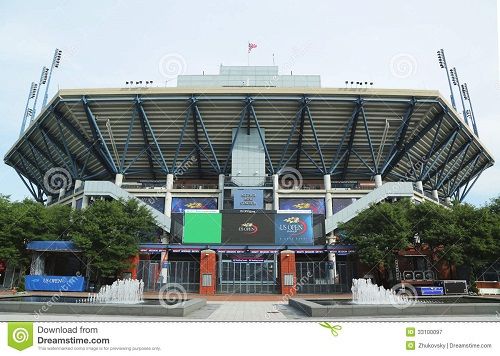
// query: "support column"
[[85, 201], [119, 179], [420, 186], [447, 201], [276, 186], [435, 194], [328, 197], [208, 274], [164, 267], [134, 260], [220, 202], [288, 273], [61, 193], [167, 209], [378, 180]]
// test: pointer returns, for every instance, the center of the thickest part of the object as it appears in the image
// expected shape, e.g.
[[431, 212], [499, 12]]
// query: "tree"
[[379, 231], [109, 232]]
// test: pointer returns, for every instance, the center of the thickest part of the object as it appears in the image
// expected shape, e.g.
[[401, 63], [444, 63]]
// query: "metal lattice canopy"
[[352, 134]]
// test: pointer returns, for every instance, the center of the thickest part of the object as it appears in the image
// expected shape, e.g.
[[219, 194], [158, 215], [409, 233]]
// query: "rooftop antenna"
[[469, 113], [456, 81], [443, 65], [27, 110], [55, 64], [43, 80]]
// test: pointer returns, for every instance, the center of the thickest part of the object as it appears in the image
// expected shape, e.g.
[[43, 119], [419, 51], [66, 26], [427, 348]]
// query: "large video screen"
[[294, 229], [316, 205], [204, 228], [248, 228], [181, 204]]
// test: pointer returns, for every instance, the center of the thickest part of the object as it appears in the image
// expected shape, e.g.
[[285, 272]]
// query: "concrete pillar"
[[420, 186], [435, 194], [61, 193], [288, 273], [85, 201], [164, 267], [332, 268], [49, 200], [119, 179], [167, 210], [276, 186], [208, 275], [78, 184], [134, 260], [328, 197], [73, 203], [378, 180], [220, 202], [447, 201]]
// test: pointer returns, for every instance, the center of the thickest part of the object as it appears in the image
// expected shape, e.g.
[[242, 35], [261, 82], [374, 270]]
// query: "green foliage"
[[462, 234], [108, 232]]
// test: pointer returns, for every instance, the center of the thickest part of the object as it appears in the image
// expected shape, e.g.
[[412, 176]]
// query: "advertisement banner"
[[181, 204], [157, 203], [248, 199], [55, 283], [202, 228], [248, 228], [316, 205], [294, 229]]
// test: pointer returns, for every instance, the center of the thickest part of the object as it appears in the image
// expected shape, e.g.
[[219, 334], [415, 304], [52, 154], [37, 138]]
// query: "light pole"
[[55, 64], [465, 92], [27, 110], [43, 80], [443, 65], [455, 81]]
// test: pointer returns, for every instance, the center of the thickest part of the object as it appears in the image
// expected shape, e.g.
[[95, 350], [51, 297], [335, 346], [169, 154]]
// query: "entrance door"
[[247, 276]]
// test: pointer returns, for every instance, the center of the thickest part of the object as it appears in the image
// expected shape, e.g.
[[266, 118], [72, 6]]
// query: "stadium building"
[[248, 173]]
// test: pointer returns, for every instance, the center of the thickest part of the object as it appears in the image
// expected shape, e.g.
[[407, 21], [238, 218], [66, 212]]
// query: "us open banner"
[[181, 204], [248, 228], [293, 229], [316, 205]]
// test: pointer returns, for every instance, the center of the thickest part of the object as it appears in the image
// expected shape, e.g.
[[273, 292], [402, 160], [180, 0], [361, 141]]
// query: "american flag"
[[251, 46]]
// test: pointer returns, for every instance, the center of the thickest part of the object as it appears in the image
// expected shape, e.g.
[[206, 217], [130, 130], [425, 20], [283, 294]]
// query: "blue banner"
[[248, 199], [55, 283], [181, 204], [316, 205], [293, 229]]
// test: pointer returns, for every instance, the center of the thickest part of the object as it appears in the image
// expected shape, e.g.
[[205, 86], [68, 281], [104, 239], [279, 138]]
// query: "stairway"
[[105, 188], [387, 190]]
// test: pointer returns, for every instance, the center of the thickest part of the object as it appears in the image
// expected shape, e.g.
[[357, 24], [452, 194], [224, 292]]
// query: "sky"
[[392, 43]]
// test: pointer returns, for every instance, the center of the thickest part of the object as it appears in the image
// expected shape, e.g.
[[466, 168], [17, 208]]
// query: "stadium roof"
[[352, 134]]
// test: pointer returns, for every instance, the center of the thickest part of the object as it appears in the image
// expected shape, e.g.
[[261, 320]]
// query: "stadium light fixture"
[[456, 81], [43, 80], [56, 61], [443, 65], [469, 113], [31, 94]]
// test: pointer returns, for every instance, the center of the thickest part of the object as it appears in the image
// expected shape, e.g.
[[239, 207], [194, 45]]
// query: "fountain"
[[126, 291], [365, 292]]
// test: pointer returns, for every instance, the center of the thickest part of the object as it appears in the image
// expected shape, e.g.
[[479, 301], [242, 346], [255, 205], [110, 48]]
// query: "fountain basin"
[[69, 305], [447, 306]]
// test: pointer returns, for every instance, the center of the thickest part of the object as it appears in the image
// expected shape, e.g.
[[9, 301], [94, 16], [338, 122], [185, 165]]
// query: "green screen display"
[[202, 228]]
